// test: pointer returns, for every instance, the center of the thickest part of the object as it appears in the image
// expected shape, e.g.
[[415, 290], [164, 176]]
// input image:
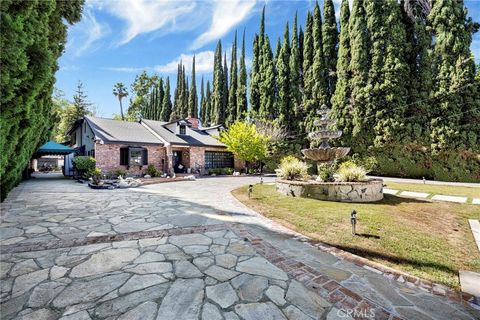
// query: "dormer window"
[[183, 129]]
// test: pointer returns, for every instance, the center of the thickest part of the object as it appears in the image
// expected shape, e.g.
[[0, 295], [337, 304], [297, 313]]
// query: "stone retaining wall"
[[367, 191]]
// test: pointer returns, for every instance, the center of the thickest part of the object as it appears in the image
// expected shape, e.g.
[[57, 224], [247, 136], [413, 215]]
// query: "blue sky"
[[115, 40]]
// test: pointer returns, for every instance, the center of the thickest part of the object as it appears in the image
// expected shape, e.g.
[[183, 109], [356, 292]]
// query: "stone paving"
[[183, 250]]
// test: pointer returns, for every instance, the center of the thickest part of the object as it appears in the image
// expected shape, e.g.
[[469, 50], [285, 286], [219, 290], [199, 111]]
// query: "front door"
[[177, 162]]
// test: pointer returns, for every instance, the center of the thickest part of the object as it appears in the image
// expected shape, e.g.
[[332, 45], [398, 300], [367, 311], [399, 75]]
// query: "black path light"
[[250, 189], [353, 221]]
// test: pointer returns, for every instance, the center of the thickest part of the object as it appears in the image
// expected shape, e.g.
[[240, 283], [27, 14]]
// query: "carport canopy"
[[53, 148]]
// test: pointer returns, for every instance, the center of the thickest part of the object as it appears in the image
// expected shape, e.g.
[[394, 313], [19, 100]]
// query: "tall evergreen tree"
[[185, 92], [232, 93], [295, 77], [455, 89], [208, 105], [202, 102], [224, 91], [284, 99], [242, 84], [217, 96], [193, 98], [177, 96], [255, 76], [167, 102], [308, 76], [319, 83], [358, 63], [330, 44], [341, 109], [267, 85], [80, 102]]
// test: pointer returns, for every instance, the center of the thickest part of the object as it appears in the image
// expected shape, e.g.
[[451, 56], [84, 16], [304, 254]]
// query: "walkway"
[[182, 250], [432, 182]]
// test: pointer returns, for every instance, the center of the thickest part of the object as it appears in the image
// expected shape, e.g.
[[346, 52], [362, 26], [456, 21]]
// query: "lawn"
[[431, 240], [435, 189]]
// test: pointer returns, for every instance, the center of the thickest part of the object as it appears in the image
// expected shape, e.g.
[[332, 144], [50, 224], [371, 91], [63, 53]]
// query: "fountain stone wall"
[[365, 191]]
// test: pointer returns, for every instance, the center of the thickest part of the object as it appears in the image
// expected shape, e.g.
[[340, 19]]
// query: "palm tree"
[[120, 91]]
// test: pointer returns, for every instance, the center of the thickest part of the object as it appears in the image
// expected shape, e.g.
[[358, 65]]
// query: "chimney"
[[194, 121]]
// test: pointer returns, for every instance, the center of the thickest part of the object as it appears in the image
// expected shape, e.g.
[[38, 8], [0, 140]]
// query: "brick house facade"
[[171, 147]]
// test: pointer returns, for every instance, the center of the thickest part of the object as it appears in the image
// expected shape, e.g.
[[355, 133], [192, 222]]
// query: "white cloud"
[[144, 16], [226, 14], [203, 63], [126, 69], [88, 32]]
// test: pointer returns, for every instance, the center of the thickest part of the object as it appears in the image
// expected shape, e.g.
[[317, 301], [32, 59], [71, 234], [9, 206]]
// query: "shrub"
[[84, 165], [220, 171], [326, 171], [350, 172], [152, 171], [96, 175], [291, 168]]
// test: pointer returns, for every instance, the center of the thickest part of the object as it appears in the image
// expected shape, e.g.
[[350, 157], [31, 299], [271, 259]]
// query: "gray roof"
[[121, 131], [196, 137]]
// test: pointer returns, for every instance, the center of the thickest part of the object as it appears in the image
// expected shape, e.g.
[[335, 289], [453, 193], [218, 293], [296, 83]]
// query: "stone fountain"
[[363, 191], [325, 153]]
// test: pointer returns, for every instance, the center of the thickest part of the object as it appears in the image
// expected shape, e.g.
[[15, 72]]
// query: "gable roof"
[[196, 137], [110, 130]]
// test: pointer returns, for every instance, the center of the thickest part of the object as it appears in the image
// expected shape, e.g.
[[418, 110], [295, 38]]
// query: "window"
[[218, 159], [183, 129], [132, 156], [74, 139]]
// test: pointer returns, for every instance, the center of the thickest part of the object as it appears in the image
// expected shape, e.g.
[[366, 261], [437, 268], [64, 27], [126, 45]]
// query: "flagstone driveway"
[[182, 250]]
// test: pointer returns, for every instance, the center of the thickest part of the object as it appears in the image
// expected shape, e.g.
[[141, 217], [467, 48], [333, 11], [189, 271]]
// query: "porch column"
[[169, 154]]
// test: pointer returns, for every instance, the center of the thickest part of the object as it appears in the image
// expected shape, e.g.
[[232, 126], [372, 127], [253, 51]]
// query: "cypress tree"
[[255, 76], [242, 84], [217, 97], [202, 102], [308, 78], [341, 99], [295, 77], [301, 37], [284, 101], [455, 90], [359, 62], [224, 91], [167, 102], [185, 92], [208, 105], [330, 43], [193, 98], [32, 39], [159, 100], [267, 85], [418, 44], [319, 83], [232, 93]]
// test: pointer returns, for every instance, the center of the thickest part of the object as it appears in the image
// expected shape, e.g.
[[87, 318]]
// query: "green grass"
[[435, 189], [431, 240]]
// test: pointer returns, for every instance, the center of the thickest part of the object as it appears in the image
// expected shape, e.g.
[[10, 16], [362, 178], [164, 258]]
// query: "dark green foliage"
[[330, 43], [218, 112], [295, 79], [255, 76], [166, 103], [140, 95], [223, 111], [231, 111], [341, 109], [359, 63], [267, 81], [242, 84], [307, 59], [454, 69], [208, 105], [32, 39], [202, 102], [284, 103], [84, 166], [152, 171], [193, 98]]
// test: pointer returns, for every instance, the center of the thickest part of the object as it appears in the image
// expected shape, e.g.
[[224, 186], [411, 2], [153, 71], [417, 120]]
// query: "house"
[[180, 146]]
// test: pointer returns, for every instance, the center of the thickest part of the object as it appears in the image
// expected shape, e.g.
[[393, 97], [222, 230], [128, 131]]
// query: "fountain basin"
[[325, 154], [364, 191]]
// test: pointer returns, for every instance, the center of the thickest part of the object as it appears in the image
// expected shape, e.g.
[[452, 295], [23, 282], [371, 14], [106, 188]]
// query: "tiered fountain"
[[363, 191]]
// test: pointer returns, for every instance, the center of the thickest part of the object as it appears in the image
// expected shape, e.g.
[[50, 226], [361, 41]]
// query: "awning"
[[53, 148]]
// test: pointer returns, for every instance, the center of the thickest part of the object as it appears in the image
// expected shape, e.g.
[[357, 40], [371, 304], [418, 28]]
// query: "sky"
[[117, 39]]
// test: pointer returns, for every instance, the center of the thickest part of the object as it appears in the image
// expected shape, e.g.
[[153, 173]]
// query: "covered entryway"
[[51, 157]]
